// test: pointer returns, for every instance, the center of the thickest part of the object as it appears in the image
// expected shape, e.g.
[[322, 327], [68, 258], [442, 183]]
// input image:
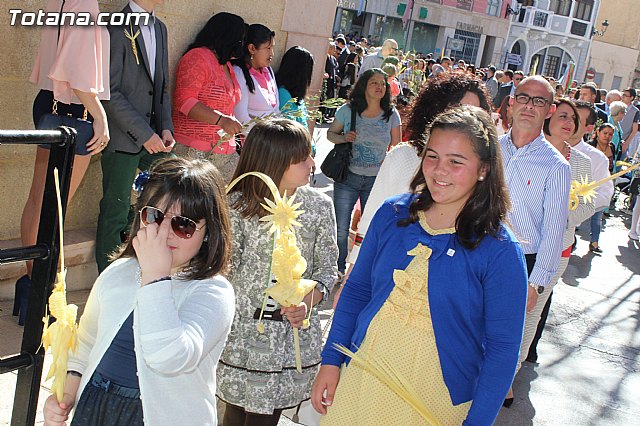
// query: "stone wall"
[[303, 22]]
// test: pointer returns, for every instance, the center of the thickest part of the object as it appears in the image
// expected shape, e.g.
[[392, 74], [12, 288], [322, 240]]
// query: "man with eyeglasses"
[[538, 179], [389, 48]]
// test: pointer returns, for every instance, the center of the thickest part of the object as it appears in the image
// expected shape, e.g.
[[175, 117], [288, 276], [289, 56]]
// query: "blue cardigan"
[[477, 300]]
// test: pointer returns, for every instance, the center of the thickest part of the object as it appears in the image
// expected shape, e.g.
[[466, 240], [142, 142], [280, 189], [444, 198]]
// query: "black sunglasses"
[[182, 226]]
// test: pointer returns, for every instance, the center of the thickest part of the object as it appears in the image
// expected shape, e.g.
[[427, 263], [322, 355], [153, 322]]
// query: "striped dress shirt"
[[539, 180]]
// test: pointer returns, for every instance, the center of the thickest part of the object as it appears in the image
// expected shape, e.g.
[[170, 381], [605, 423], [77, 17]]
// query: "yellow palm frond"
[[287, 263], [388, 375], [61, 336]]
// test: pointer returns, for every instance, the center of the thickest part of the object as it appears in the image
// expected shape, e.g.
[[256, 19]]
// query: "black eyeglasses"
[[537, 101], [182, 226]]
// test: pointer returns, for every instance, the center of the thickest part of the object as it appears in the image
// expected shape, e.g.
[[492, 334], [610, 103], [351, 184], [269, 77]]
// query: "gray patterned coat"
[[257, 371]]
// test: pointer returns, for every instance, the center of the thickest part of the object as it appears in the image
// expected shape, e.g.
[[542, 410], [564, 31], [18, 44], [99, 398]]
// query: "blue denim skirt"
[[105, 403]]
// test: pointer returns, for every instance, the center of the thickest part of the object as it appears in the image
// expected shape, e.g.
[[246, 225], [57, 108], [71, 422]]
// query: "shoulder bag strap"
[[354, 114]]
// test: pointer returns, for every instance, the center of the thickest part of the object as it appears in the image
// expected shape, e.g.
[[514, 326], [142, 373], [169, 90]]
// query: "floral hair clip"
[[140, 181]]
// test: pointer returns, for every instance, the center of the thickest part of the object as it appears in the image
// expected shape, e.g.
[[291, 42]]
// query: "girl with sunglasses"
[[257, 375], [157, 318]]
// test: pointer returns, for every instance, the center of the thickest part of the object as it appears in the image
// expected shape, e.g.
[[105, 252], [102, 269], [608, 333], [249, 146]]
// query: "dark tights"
[[237, 416]]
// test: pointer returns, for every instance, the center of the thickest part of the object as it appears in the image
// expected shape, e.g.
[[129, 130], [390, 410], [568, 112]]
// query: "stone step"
[[79, 246]]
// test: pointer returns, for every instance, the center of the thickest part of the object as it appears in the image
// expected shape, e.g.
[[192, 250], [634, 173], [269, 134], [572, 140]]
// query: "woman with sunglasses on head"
[[157, 318], [255, 76], [206, 92], [438, 293], [257, 375]]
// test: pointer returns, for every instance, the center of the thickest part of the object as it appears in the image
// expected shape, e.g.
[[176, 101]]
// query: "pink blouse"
[[78, 60], [200, 78]]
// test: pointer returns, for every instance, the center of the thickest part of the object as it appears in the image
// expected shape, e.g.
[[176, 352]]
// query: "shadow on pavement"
[[522, 411]]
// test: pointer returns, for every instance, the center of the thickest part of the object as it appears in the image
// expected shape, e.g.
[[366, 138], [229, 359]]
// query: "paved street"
[[589, 356]]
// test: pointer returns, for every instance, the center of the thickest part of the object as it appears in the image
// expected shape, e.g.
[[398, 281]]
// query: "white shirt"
[[599, 171], [148, 33], [253, 104], [180, 328], [539, 180]]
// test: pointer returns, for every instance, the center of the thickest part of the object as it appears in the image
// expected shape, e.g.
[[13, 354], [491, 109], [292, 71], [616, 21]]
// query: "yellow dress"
[[401, 333]]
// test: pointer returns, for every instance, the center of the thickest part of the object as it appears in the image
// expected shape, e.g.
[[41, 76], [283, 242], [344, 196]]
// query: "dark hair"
[[519, 72], [600, 128], [504, 113], [509, 73], [224, 35], [199, 189], [576, 116], [257, 34], [593, 115], [492, 69], [271, 147], [438, 94], [487, 206], [592, 88], [357, 97], [632, 92], [341, 40], [295, 72]]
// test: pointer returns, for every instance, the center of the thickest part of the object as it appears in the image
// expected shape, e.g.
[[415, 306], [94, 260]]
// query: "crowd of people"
[[455, 169]]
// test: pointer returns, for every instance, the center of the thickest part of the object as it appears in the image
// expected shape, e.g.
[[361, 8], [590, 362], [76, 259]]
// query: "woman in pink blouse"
[[256, 78], [72, 68], [206, 92]]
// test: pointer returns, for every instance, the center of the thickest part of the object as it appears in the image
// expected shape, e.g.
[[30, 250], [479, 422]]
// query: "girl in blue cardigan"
[[439, 291]]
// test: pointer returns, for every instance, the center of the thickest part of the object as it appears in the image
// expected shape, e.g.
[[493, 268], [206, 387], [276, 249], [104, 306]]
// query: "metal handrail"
[[45, 255]]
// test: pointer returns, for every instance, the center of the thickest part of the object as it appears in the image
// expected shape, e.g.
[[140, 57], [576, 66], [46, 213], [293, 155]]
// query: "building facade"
[[288, 18], [473, 30], [548, 34], [614, 58]]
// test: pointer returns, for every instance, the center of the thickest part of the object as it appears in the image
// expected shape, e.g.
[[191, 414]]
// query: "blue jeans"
[[345, 195], [596, 226]]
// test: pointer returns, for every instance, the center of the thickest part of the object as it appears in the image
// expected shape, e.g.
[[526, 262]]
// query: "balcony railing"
[[540, 19], [531, 16]]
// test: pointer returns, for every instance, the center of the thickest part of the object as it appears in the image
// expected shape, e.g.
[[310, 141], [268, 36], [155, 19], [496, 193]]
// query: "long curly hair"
[[441, 92], [486, 209], [358, 100]]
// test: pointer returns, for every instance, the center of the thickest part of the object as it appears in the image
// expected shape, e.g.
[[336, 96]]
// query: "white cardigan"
[[180, 328], [253, 104]]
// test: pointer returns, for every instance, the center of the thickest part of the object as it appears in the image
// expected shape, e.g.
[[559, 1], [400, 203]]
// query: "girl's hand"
[[295, 314], [153, 252], [324, 387], [57, 414], [350, 136]]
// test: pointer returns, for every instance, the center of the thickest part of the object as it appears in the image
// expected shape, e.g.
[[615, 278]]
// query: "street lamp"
[[510, 11], [605, 25]]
